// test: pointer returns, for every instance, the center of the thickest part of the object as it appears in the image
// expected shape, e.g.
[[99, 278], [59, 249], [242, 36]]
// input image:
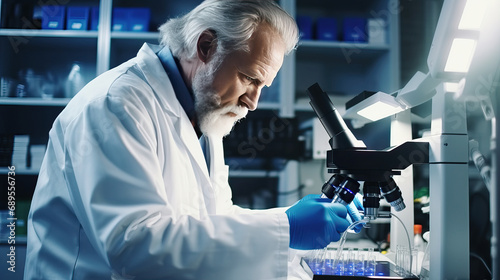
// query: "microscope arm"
[[377, 165]]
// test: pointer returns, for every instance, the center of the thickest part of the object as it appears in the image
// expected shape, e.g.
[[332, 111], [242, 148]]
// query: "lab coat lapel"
[[218, 170], [159, 81], [190, 139]]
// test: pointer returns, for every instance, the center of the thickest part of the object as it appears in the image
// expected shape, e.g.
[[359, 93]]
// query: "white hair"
[[232, 21]]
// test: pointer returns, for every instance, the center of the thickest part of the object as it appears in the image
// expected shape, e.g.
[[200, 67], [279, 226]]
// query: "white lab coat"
[[124, 192]]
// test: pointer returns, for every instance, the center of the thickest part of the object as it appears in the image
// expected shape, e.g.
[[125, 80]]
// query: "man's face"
[[227, 87]]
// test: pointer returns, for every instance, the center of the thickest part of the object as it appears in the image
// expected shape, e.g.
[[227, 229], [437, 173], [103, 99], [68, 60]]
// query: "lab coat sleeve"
[[239, 210], [116, 188]]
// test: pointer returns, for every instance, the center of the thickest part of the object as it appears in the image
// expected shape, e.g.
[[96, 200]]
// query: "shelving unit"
[[34, 101], [21, 171], [343, 69], [254, 173], [20, 33], [314, 44]]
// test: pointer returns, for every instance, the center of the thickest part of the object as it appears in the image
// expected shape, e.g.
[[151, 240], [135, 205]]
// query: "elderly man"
[[134, 185]]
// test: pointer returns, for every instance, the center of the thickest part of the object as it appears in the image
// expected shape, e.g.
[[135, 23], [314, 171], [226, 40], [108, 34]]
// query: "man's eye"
[[249, 78]]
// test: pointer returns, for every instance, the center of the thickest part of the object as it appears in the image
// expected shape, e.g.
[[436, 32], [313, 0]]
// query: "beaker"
[[425, 267]]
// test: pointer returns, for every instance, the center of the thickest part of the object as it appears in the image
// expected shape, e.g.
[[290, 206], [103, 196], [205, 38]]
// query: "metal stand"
[[495, 198], [449, 189], [400, 133]]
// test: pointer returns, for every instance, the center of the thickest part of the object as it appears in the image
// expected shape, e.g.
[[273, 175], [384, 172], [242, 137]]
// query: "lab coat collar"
[[156, 76], [214, 152], [181, 90]]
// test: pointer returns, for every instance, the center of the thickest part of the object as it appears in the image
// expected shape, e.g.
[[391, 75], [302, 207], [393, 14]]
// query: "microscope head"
[[350, 161]]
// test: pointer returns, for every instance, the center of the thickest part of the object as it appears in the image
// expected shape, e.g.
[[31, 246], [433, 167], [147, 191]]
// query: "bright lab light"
[[379, 110], [451, 87], [460, 56], [374, 107], [473, 14]]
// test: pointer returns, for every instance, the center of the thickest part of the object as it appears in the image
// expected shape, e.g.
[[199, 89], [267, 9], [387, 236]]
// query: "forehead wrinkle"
[[268, 72], [266, 64], [257, 70], [265, 54]]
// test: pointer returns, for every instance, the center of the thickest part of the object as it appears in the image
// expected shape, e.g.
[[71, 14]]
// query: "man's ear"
[[206, 45]]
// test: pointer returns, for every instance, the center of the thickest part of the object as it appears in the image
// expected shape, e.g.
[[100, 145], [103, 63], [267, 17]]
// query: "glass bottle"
[[75, 81], [418, 241], [425, 268]]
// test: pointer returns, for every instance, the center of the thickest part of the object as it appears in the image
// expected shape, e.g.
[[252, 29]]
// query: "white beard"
[[214, 120], [218, 123]]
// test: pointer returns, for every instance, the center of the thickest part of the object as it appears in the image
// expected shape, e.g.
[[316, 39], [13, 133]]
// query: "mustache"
[[239, 111]]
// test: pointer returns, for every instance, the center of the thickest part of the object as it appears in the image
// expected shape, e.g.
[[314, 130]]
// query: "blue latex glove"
[[315, 222], [309, 197], [353, 210]]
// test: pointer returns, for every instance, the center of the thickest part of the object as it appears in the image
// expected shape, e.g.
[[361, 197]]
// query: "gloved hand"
[[315, 222], [353, 210], [308, 197]]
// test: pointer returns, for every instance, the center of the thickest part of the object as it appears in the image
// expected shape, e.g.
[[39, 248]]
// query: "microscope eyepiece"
[[341, 136], [331, 186], [391, 192], [371, 199], [347, 191]]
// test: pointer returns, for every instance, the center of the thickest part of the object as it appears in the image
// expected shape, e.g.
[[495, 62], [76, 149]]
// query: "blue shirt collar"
[[184, 96]]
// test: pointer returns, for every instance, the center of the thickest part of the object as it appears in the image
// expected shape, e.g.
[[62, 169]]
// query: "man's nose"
[[251, 98]]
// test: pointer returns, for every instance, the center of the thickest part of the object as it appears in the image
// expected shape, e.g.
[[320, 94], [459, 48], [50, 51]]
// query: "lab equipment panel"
[[353, 270]]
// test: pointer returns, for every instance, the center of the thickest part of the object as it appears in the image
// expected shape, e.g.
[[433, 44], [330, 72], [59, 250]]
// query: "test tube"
[[316, 262], [337, 262], [370, 263], [359, 269], [406, 261], [348, 265], [399, 259], [414, 262], [345, 257]]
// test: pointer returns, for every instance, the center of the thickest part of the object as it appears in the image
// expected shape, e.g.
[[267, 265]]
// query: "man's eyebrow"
[[258, 76], [268, 83], [253, 74]]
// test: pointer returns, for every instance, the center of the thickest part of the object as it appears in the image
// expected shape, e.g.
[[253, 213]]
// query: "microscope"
[[351, 162]]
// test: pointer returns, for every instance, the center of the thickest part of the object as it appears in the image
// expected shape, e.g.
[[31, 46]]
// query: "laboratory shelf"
[[20, 240], [232, 173], [48, 33], [340, 51], [34, 101], [253, 173], [135, 35], [338, 101], [341, 68], [303, 108], [20, 171], [269, 106], [340, 45]]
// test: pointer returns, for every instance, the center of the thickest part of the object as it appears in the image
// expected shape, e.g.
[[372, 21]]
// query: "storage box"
[[77, 18], [53, 17], [131, 19], [355, 29], [120, 19], [305, 27], [326, 29], [94, 18], [376, 31], [139, 19]]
